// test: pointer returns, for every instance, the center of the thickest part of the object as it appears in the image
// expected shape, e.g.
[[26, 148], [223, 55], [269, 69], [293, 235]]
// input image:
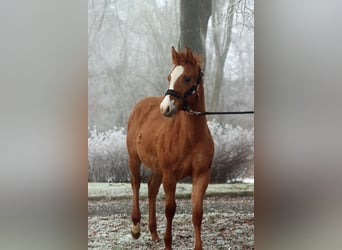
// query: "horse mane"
[[186, 57]]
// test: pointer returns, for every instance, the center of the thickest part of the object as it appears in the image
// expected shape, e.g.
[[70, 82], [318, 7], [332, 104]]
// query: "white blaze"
[[176, 72], [167, 102]]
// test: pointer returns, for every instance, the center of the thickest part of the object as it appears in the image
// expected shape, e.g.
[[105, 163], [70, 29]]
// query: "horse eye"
[[187, 79]]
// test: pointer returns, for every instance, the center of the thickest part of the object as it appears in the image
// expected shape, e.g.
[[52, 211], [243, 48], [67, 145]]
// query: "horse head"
[[184, 80]]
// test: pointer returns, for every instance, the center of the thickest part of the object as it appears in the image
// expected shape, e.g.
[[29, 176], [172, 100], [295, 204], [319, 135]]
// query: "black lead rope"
[[191, 112], [227, 113]]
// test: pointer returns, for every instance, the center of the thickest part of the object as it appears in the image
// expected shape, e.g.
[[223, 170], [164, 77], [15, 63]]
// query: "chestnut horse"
[[171, 148]]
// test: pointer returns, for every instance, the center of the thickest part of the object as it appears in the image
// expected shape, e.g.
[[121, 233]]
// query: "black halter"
[[191, 91]]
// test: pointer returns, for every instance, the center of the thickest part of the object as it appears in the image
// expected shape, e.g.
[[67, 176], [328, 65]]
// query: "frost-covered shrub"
[[234, 151], [107, 156]]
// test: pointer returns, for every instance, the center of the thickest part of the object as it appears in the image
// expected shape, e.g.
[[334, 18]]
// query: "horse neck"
[[199, 104], [195, 124]]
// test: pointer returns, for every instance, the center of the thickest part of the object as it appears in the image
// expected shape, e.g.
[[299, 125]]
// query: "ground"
[[228, 221]]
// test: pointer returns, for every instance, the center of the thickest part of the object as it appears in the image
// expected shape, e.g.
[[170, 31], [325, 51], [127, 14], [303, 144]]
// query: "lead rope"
[[191, 112]]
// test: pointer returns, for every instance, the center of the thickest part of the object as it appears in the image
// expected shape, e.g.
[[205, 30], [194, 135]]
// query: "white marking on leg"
[[136, 228]]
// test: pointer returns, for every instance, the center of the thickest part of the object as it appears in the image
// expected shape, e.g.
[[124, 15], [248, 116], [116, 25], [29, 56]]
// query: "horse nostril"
[[168, 110]]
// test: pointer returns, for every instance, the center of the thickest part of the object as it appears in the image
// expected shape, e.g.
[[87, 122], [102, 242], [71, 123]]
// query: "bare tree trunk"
[[194, 16], [218, 82], [221, 47], [94, 30]]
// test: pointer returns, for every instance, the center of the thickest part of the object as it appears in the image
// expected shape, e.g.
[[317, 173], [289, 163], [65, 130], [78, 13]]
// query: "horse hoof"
[[135, 235]]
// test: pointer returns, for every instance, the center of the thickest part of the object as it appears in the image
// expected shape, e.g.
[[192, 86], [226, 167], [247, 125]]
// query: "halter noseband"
[[191, 91]]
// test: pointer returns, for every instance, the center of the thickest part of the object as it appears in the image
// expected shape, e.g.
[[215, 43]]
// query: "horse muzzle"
[[168, 108]]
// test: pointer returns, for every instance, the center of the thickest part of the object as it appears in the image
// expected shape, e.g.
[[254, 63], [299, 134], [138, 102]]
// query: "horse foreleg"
[[135, 182], [200, 185], [169, 184], [153, 188]]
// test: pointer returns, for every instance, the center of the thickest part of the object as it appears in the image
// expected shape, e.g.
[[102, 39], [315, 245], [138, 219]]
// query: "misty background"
[[129, 58]]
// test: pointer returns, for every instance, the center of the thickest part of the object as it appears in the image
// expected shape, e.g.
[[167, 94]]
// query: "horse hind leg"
[[153, 189], [134, 166]]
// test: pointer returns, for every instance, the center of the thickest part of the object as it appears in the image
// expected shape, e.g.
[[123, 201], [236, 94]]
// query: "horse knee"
[[197, 216], [197, 221], [170, 209]]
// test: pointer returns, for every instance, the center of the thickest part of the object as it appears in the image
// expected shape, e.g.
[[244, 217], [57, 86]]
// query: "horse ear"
[[188, 53], [174, 55]]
